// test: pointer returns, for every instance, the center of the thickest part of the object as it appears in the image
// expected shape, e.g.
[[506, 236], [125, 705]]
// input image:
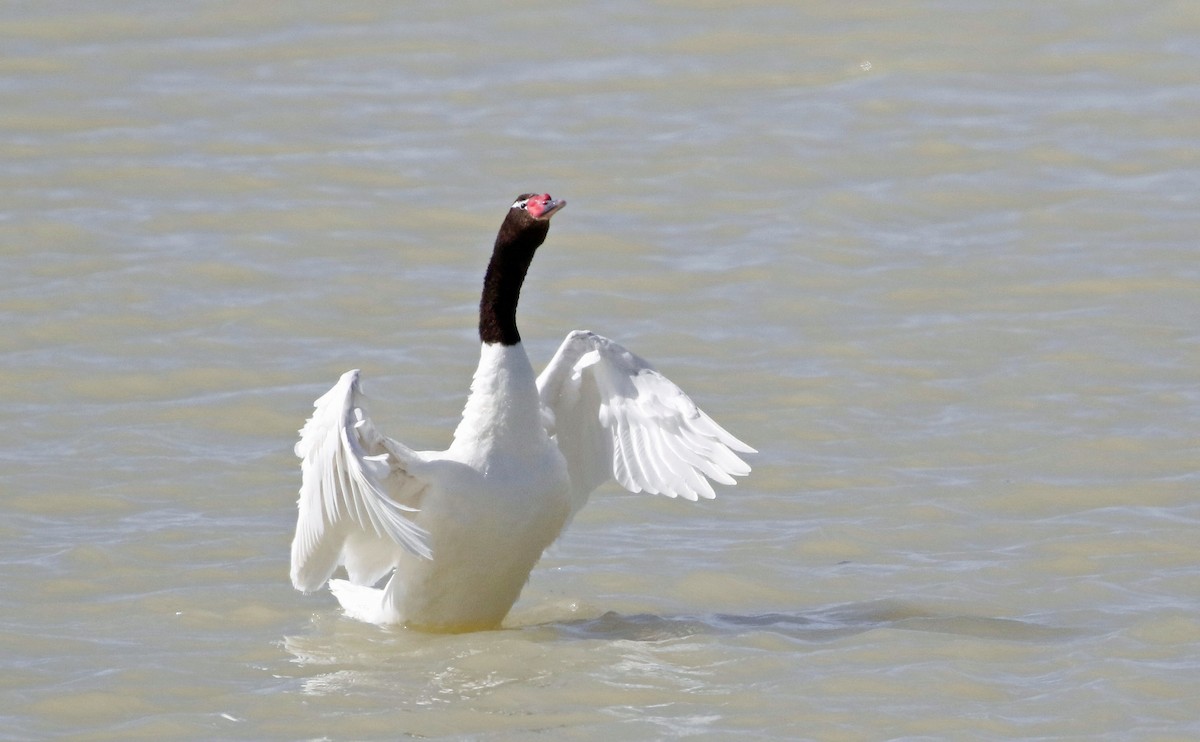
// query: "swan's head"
[[527, 223], [538, 206]]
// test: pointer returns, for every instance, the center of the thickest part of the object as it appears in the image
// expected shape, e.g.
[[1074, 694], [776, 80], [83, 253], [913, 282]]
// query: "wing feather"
[[615, 417], [350, 478]]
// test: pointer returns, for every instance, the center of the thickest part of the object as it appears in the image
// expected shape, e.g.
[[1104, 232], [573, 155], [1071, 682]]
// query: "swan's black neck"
[[519, 238]]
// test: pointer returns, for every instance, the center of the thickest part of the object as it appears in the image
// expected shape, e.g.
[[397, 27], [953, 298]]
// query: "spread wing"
[[355, 493], [615, 417]]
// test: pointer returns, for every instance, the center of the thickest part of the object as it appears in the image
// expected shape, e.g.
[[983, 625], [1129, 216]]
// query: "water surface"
[[937, 261]]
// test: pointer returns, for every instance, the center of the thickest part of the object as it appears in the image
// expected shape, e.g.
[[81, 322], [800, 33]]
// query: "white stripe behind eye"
[[519, 203]]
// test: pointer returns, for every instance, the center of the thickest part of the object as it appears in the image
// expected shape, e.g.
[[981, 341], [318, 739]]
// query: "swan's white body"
[[461, 529]]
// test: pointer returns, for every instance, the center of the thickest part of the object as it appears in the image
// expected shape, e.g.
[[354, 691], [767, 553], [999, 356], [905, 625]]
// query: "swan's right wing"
[[353, 491], [615, 417]]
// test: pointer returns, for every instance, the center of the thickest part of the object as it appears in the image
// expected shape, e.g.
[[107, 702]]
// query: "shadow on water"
[[341, 655], [824, 625]]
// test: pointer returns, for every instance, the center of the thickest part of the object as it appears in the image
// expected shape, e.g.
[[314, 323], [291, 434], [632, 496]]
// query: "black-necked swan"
[[460, 530]]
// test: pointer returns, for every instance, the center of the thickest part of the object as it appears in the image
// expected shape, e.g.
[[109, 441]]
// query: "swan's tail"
[[362, 602]]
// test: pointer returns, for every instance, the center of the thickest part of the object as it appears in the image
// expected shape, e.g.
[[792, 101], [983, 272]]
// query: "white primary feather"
[[615, 417], [342, 491]]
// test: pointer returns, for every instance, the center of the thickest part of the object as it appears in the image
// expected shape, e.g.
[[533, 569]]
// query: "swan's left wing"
[[353, 484], [615, 417]]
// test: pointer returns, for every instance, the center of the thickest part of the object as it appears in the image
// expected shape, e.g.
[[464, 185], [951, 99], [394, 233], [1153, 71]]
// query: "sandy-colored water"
[[938, 261]]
